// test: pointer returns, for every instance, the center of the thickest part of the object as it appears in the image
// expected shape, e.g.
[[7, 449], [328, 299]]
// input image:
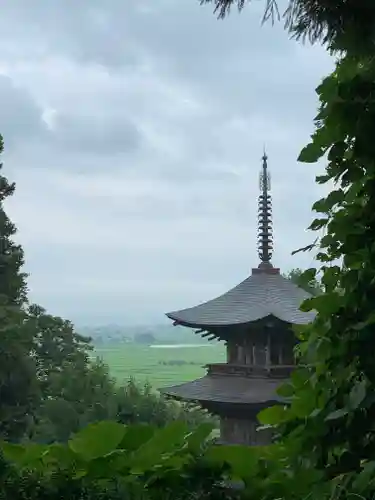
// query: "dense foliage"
[[338, 438], [18, 388], [111, 461], [326, 445]]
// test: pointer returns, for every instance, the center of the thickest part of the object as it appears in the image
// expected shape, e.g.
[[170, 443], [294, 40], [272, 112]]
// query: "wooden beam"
[[206, 334]]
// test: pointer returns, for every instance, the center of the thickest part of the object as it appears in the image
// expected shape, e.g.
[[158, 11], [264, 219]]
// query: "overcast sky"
[[134, 131]]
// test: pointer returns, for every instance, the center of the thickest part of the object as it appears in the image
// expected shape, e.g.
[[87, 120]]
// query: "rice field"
[[161, 365]]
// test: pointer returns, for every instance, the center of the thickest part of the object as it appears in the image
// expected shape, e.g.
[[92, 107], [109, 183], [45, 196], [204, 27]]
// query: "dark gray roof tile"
[[226, 389], [261, 295]]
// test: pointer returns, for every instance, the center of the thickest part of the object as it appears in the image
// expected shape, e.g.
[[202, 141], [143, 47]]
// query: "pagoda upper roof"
[[264, 294], [226, 389]]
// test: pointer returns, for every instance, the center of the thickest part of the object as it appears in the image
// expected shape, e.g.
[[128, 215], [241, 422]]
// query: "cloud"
[[134, 132], [100, 134], [21, 118]]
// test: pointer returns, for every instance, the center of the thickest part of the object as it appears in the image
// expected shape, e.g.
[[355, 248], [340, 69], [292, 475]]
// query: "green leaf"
[[318, 224], [197, 438], [325, 205], [327, 90], [108, 466], [323, 257], [337, 151], [307, 305], [243, 460], [285, 390], [308, 275], [163, 441], [321, 206], [24, 455], [335, 197], [97, 440], [79, 474], [331, 277], [322, 179], [61, 456], [357, 394], [303, 404], [176, 462], [273, 415], [335, 415], [315, 412], [363, 324], [365, 479], [328, 303], [300, 377], [323, 348], [136, 435], [311, 153], [327, 240], [13, 452]]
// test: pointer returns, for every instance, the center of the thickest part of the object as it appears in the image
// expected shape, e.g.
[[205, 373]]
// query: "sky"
[[134, 131]]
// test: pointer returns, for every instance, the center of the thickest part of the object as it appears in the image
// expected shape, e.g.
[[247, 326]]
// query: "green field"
[[146, 363]]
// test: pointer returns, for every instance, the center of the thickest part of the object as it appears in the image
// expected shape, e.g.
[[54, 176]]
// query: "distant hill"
[[145, 338], [161, 334]]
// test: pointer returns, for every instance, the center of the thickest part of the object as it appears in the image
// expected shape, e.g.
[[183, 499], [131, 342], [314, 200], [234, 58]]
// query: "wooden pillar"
[[263, 437], [231, 353], [249, 353], [268, 350], [280, 350], [223, 429], [243, 431]]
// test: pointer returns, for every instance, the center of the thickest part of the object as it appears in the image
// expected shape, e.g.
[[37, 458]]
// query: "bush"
[[141, 404], [109, 461]]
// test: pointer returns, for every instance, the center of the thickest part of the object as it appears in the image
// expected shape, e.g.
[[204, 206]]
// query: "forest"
[[68, 431]]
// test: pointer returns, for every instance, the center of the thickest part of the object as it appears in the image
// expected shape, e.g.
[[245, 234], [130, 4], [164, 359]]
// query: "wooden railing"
[[273, 371]]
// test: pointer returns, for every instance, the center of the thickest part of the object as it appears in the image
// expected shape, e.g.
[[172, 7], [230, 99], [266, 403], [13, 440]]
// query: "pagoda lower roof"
[[226, 389], [261, 295]]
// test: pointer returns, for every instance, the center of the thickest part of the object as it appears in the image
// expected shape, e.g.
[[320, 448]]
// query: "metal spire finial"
[[265, 240]]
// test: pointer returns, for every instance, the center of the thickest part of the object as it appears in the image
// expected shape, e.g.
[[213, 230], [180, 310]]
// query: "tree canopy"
[[18, 388], [341, 24]]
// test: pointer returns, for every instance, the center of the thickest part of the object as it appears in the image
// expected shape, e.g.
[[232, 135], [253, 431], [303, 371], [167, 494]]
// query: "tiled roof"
[[226, 389], [261, 295]]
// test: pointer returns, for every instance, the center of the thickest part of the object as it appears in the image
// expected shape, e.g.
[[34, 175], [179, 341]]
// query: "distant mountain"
[[168, 334]]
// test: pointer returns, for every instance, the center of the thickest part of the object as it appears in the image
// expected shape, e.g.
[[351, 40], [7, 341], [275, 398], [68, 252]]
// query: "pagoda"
[[254, 319]]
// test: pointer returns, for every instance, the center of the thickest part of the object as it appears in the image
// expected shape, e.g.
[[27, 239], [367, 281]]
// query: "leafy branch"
[[341, 25]]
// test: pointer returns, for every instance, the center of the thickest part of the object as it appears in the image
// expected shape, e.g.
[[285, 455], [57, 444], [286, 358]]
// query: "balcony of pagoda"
[[238, 370]]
